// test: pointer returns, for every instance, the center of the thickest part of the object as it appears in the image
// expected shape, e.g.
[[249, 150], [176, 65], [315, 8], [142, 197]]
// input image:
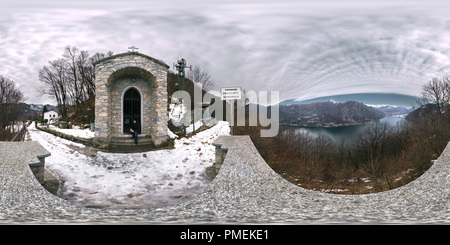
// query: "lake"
[[348, 133]]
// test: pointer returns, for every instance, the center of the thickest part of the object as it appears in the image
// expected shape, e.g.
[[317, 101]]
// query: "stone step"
[[131, 148], [131, 143], [125, 136], [131, 140], [127, 139]]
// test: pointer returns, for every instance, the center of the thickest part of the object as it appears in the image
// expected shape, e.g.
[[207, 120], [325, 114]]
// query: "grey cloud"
[[298, 48]]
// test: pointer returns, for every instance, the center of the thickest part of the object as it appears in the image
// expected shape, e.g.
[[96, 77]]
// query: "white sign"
[[231, 93]]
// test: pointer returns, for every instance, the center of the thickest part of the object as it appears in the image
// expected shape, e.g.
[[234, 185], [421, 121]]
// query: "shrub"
[[390, 156]]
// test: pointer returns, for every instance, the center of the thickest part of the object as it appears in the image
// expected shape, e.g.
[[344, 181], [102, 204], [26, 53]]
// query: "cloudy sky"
[[304, 49]]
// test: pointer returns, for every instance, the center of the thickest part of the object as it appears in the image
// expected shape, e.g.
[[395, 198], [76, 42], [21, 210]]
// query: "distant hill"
[[423, 111], [31, 111], [328, 114], [392, 99], [394, 111]]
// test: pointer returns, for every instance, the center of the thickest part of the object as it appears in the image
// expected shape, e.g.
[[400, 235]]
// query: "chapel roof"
[[132, 53]]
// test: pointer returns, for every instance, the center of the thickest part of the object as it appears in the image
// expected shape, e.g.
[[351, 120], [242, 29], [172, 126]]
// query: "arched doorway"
[[114, 76], [131, 109]]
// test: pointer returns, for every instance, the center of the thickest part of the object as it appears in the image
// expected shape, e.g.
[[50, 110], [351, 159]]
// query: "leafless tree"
[[437, 90], [98, 56], [70, 79], [86, 71], [201, 77], [54, 76], [70, 56], [10, 99]]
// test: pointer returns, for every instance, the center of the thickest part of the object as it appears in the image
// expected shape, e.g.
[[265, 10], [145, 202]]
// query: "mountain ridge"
[[328, 114], [392, 99], [33, 111]]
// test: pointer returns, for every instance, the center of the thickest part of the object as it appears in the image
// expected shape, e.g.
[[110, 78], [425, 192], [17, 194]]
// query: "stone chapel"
[[130, 86]]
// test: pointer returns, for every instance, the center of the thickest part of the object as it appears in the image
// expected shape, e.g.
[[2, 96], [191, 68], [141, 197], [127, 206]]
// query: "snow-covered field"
[[75, 131], [133, 180]]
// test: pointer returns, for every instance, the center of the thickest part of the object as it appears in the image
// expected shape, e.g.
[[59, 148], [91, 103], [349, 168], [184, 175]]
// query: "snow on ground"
[[75, 131], [133, 180]]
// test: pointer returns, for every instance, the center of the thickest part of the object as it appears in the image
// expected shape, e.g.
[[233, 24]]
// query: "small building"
[[130, 86], [50, 115]]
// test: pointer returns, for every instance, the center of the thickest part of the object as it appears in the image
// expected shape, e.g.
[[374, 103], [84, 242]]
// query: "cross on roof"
[[132, 48]]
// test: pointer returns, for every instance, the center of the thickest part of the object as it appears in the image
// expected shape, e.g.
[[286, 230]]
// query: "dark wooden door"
[[131, 109]]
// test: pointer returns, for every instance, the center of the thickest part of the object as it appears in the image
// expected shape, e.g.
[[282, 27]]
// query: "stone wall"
[[221, 152], [113, 76], [87, 142]]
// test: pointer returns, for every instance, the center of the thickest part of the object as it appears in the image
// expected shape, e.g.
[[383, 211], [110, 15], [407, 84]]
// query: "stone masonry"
[[116, 74]]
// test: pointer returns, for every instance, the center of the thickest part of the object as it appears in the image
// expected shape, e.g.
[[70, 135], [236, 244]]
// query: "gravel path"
[[246, 190]]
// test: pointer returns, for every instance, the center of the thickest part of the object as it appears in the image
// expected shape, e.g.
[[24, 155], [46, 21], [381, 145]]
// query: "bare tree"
[[201, 77], [70, 80], [98, 56], [371, 145], [54, 76], [86, 71], [70, 56], [437, 90], [10, 99]]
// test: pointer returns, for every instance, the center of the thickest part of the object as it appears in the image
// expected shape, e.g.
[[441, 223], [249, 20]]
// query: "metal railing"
[[20, 136]]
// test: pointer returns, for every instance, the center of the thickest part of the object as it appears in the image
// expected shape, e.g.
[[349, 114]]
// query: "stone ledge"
[[28, 152], [245, 190], [222, 144]]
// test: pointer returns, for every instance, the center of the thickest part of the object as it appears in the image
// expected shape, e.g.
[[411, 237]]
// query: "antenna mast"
[[180, 66]]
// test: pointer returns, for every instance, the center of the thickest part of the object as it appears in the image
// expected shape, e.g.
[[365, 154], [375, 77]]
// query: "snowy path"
[[148, 179]]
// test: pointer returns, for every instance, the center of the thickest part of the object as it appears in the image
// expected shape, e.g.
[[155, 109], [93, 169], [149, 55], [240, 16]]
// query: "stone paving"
[[246, 190]]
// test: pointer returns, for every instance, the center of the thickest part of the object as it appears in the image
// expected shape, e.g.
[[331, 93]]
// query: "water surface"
[[347, 133]]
